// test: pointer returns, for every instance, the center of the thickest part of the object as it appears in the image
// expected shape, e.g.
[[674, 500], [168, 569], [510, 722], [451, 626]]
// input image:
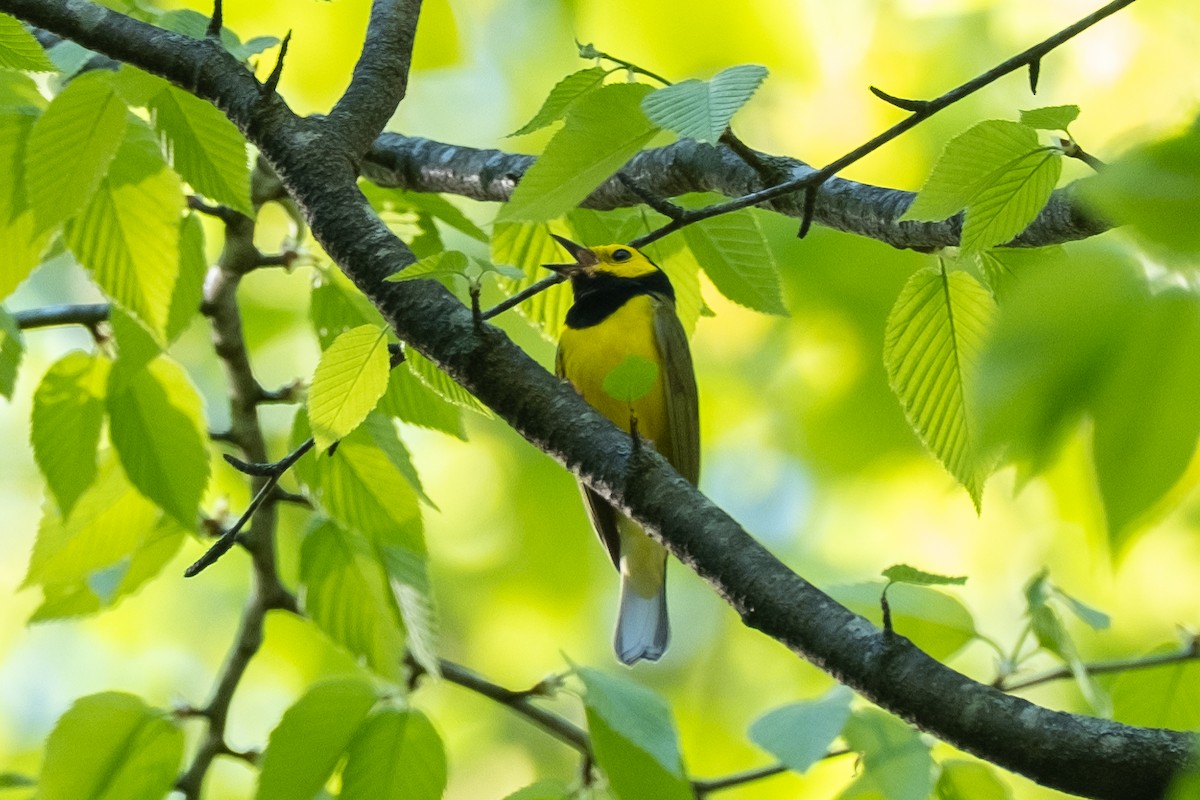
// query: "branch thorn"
[[1035, 71], [810, 207], [215, 22], [273, 79], [915, 106]]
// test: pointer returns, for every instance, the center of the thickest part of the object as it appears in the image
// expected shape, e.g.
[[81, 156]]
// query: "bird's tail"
[[643, 629]]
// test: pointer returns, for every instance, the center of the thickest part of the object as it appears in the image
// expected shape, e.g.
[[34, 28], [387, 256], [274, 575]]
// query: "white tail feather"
[[642, 626]]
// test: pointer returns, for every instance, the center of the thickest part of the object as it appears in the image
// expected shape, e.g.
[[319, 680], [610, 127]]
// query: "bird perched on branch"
[[624, 312]]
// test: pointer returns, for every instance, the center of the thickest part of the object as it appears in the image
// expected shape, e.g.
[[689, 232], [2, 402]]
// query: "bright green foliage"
[[1186, 784], [19, 91], [527, 246], [110, 746], [733, 251], [338, 306], [204, 146], [441, 383], [12, 347], [18, 48], [136, 347], [970, 780], [426, 208], [1050, 118], [113, 541], [1050, 633], [632, 379], [395, 755], [603, 131], [128, 234], [382, 432], [312, 737], [1154, 190], [23, 240], [71, 147], [347, 595], [937, 623], [931, 352], [157, 427], [444, 266], [564, 94], [799, 734], [701, 110], [896, 763], [902, 573], [189, 288], [411, 401], [542, 790], [68, 413], [349, 380], [999, 173], [194, 24], [633, 739], [1159, 697], [13, 780], [676, 259]]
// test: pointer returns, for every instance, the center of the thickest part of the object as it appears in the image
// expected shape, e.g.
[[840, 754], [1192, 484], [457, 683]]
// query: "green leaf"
[[189, 288], [528, 246], [411, 401], [543, 790], [337, 305], [1052, 635], [1186, 785], [136, 346], [349, 380], [312, 737], [701, 110], [602, 132], [937, 623], [157, 427], [71, 147], [14, 780], [733, 250], [564, 94], [1159, 697], [194, 24], [12, 348], [113, 542], [204, 147], [110, 746], [444, 265], [23, 241], [1050, 118], [969, 164], [931, 352], [396, 755], [19, 92], [347, 595], [407, 572], [799, 734], [970, 780], [1012, 199], [19, 49], [1094, 618], [382, 431], [128, 235], [633, 739], [441, 383], [896, 763], [902, 573], [68, 412], [632, 379]]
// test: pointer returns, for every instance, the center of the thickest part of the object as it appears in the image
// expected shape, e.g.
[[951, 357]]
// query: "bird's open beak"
[[584, 258]]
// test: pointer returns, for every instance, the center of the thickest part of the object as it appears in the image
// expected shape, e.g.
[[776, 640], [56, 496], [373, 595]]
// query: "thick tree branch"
[[1090, 757]]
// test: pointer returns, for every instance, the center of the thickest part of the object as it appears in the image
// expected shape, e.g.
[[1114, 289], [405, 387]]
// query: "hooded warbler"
[[625, 305]]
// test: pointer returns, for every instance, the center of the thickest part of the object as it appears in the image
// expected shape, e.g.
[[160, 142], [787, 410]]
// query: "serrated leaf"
[[799, 734], [12, 348], [110, 746], [446, 264], [383, 434], [156, 423], [562, 96], [1050, 118], [1012, 199], [633, 739], [602, 132], [733, 251], [896, 763], [411, 401], [1166, 696], [349, 380], [936, 622], [931, 352], [204, 147], [136, 346], [632, 379], [189, 288], [970, 780], [346, 594], [337, 305], [396, 755], [64, 428], [701, 110], [433, 206], [19, 49], [442, 384], [128, 234], [71, 147], [968, 165], [902, 573], [527, 246], [23, 241], [407, 572], [312, 737]]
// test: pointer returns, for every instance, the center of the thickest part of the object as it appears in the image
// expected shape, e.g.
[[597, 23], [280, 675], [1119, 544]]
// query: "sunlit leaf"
[[633, 739], [564, 93], [312, 737], [337, 306], [603, 131], [68, 412], [701, 110], [527, 246], [189, 288], [23, 239], [936, 622], [896, 763], [543, 790], [19, 49], [800, 734], [1050, 633], [902, 573], [441, 383], [108, 746], [408, 399], [349, 380], [931, 352], [396, 755], [382, 432], [632, 379], [1050, 118], [1012, 199], [12, 348], [970, 780], [733, 250], [1166, 696], [444, 266]]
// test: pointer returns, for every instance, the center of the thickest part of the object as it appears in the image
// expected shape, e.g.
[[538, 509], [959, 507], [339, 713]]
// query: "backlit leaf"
[[68, 412], [12, 348], [701, 110], [441, 383], [1166, 696], [632, 379], [896, 763], [902, 573], [970, 780], [1012, 199], [1050, 118], [349, 380], [408, 399], [527, 246], [936, 622], [396, 755], [19, 49], [732, 249], [800, 734], [564, 93], [23, 240]]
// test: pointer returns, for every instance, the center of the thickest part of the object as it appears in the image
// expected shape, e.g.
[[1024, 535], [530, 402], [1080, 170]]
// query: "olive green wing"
[[682, 446], [602, 515]]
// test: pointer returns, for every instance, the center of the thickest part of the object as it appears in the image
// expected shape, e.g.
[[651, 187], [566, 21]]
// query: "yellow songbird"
[[625, 305]]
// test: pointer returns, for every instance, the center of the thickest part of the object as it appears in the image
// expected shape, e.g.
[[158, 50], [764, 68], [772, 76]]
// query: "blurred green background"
[[804, 443]]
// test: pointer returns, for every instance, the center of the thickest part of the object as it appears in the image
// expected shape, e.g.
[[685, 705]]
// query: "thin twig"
[[522, 296], [1189, 653], [89, 316], [706, 787], [215, 22]]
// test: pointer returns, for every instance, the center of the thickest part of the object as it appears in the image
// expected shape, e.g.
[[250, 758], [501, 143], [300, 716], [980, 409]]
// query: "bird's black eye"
[[621, 255]]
